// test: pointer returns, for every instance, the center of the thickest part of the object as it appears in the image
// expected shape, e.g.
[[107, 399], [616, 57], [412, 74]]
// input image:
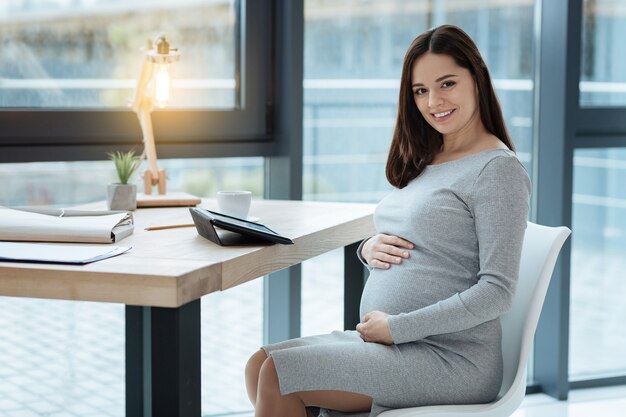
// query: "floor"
[[597, 402], [66, 359], [592, 402]]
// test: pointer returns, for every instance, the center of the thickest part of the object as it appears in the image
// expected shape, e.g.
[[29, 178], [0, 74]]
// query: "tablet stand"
[[207, 230]]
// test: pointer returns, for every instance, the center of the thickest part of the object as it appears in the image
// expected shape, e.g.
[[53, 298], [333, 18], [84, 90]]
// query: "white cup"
[[234, 203]]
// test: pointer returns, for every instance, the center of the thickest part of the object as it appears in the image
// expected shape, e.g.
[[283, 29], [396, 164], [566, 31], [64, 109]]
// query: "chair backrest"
[[540, 251]]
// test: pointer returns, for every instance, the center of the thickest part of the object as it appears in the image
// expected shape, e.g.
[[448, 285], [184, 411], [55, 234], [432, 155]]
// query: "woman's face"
[[445, 94]]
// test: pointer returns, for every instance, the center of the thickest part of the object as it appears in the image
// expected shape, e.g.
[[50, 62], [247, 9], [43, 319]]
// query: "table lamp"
[[153, 88]]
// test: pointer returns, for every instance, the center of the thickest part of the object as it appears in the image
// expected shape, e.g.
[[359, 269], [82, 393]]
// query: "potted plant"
[[122, 195]]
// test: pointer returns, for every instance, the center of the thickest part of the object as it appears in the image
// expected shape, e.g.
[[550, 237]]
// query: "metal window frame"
[[283, 170], [561, 126], [30, 135]]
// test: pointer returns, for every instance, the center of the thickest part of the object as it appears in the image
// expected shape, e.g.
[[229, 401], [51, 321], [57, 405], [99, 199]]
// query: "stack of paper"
[[62, 225]]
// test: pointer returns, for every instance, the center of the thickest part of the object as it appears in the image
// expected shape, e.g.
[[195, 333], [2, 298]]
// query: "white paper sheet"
[[57, 253]]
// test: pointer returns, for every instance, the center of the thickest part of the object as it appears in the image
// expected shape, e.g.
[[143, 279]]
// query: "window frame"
[[52, 134], [563, 125]]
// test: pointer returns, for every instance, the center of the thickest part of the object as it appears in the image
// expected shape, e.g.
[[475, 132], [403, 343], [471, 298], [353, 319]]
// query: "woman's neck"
[[471, 141], [464, 140]]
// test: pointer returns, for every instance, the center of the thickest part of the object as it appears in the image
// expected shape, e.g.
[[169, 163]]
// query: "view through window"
[[602, 73], [88, 53], [597, 308]]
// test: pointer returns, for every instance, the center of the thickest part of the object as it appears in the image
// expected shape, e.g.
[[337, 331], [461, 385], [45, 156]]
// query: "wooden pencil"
[[171, 226]]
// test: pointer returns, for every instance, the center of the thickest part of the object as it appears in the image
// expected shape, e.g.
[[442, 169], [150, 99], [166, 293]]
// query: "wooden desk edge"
[[129, 289], [235, 273]]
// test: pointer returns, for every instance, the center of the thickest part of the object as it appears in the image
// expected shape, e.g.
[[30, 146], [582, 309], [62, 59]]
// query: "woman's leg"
[[253, 367], [270, 402]]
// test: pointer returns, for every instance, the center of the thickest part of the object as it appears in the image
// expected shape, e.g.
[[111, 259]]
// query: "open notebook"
[[36, 224]]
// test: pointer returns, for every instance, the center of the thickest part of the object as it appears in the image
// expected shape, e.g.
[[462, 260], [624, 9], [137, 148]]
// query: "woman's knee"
[[268, 378], [254, 363], [253, 367], [268, 371]]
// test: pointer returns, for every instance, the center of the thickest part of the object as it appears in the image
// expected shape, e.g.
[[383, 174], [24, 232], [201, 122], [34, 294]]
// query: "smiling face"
[[445, 94]]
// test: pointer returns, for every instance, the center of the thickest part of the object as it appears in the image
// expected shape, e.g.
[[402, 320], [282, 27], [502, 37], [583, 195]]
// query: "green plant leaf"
[[126, 163]]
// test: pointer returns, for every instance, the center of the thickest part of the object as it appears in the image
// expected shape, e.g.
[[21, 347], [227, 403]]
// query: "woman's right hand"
[[381, 251]]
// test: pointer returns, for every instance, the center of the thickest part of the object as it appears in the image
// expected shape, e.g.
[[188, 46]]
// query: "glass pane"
[[353, 57], [67, 183], [597, 308], [88, 53], [67, 357], [232, 330], [322, 294], [602, 67], [61, 358]]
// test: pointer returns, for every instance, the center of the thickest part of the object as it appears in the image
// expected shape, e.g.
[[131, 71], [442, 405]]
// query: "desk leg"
[[355, 275], [163, 361], [135, 361]]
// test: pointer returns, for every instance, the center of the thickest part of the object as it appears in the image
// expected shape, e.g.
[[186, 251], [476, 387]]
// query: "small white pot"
[[122, 196]]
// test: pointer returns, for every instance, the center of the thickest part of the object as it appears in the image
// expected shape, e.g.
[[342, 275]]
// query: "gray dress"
[[466, 219]]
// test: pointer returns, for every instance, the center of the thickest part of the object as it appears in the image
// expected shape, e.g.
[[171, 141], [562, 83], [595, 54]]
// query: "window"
[[602, 71], [87, 53], [70, 183], [64, 357], [597, 309], [231, 332], [68, 69]]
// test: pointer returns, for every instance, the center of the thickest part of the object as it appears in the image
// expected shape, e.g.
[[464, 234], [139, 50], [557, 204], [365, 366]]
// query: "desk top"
[[168, 268]]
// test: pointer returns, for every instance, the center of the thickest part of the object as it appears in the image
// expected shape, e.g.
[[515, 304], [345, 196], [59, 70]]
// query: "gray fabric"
[[360, 255], [467, 220]]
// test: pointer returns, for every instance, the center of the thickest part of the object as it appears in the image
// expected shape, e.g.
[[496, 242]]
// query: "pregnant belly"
[[402, 290]]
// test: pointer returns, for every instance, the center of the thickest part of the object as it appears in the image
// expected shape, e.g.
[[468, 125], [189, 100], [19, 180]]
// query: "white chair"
[[541, 248]]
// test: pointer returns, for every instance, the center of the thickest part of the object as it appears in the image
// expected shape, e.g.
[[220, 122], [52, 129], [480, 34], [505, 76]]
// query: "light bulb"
[[162, 94]]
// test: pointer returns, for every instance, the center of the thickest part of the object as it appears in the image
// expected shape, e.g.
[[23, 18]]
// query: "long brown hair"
[[415, 143]]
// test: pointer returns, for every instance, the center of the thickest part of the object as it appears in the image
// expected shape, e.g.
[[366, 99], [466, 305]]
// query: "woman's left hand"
[[374, 328]]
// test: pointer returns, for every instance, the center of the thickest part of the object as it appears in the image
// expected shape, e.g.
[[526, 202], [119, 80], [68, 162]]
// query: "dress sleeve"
[[498, 202], [360, 255]]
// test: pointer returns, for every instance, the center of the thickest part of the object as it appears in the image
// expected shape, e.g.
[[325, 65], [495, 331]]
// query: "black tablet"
[[255, 232]]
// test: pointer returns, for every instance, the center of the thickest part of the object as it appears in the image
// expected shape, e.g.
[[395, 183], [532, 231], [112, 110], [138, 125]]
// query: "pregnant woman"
[[443, 266]]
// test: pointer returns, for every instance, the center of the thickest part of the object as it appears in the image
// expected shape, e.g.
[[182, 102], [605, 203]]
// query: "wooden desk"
[[162, 279]]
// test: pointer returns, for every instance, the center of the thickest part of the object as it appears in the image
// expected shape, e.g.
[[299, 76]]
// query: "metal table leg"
[[355, 275], [163, 361]]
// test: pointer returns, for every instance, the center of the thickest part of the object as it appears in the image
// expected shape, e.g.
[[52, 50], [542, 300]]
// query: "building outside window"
[[597, 310], [603, 73], [88, 53], [599, 206]]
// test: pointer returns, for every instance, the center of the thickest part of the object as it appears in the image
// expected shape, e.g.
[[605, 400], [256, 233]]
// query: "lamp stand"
[[152, 176], [148, 182], [143, 104]]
